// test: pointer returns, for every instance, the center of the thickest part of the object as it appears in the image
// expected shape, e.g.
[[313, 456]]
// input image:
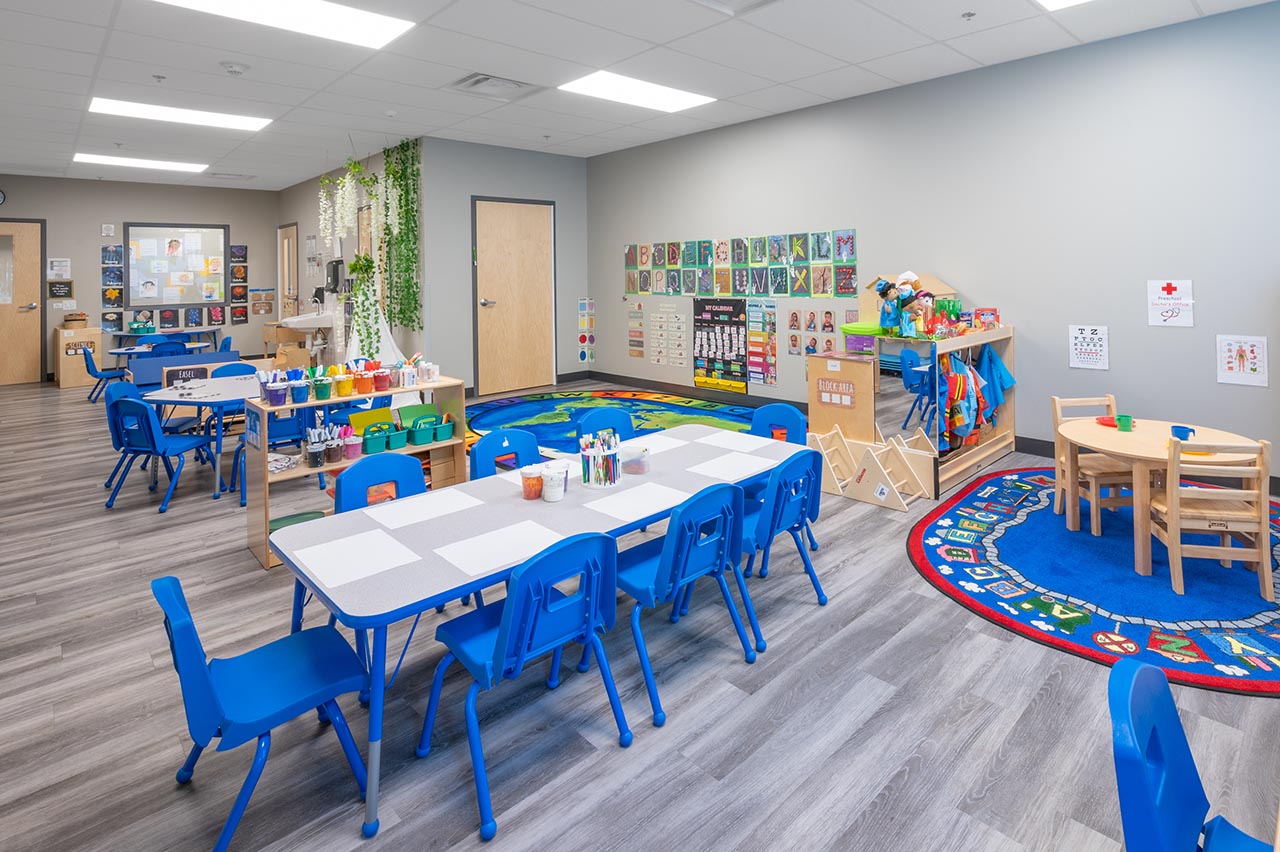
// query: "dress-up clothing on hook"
[[962, 402], [997, 377]]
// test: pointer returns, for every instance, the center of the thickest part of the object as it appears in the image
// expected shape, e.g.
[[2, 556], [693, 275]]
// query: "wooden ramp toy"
[[890, 473]]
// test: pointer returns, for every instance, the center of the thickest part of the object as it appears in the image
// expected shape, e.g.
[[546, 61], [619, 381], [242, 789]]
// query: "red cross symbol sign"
[[1169, 288]]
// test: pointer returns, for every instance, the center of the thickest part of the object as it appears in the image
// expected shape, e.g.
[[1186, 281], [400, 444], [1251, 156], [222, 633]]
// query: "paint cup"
[[1124, 422], [351, 446], [364, 383], [262, 391], [323, 386], [382, 380], [344, 385], [333, 452], [553, 482], [373, 366], [408, 377], [1182, 433], [531, 481], [278, 393], [299, 391], [315, 455]]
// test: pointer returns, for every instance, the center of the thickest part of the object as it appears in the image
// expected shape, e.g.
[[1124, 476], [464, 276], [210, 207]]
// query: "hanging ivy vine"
[[365, 315], [399, 261]]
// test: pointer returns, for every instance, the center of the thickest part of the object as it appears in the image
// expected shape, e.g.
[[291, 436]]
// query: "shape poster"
[[762, 341], [720, 345], [1170, 303], [1242, 360], [1088, 348]]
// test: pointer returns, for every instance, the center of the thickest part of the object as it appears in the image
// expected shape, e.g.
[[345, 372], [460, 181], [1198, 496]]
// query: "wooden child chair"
[[1101, 477], [1232, 513]]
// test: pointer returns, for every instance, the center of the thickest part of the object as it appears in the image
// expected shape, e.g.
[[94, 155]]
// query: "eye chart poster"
[[1242, 360], [720, 344], [1087, 347]]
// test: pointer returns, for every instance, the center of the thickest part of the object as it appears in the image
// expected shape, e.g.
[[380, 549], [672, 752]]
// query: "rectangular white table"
[[221, 394], [393, 561]]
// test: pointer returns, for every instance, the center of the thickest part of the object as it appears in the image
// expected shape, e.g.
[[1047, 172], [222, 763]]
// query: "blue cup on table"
[[1182, 433]]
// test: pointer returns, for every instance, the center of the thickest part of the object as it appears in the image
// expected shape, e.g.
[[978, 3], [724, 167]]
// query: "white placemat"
[[732, 467], [639, 502], [655, 443], [354, 558], [412, 510], [741, 442], [501, 548]]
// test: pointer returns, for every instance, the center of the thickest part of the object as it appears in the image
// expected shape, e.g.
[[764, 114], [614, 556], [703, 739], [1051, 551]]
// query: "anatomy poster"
[[1242, 360], [1088, 348], [1170, 303]]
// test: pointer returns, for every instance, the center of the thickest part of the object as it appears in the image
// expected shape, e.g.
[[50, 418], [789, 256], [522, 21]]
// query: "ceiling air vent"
[[493, 88]]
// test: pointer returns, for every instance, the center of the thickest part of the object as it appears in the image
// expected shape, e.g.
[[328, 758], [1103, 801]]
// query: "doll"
[[890, 313]]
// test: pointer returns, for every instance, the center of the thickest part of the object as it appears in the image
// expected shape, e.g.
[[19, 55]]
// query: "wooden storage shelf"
[[448, 458]]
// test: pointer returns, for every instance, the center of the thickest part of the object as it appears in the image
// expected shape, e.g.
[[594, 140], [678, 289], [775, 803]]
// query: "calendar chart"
[[720, 344]]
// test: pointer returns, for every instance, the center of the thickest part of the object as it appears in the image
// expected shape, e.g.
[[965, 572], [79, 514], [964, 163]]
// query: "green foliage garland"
[[400, 245], [365, 315]]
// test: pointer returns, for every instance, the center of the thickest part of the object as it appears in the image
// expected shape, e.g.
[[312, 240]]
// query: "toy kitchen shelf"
[[448, 459]]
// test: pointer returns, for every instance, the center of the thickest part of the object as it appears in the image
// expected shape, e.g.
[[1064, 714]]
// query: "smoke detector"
[[493, 88], [234, 69]]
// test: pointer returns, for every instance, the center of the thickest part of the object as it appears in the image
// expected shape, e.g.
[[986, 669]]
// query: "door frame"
[[45, 375], [475, 284], [297, 255]]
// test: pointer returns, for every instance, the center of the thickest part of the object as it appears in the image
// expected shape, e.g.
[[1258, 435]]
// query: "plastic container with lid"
[[531, 481]]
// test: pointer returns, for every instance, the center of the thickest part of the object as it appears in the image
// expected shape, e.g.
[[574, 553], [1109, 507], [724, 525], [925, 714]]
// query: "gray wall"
[[1052, 188], [77, 209]]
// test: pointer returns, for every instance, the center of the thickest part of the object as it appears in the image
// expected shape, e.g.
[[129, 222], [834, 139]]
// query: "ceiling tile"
[[124, 80], [84, 11], [65, 120], [722, 113], [675, 123], [205, 59], [50, 32], [487, 57], [668, 67], [61, 100], [635, 135], [779, 99], [39, 58], [747, 48], [413, 72], [589, 146], [657, 21], [847, 82], [587, 107], [1013, 41], [922, 63], [35, 80], [482, 139], [1213, 7], [396, 95], [519, 114], [513, 23], [848, 30], [943, 20], [344, 109], [1095, 21], [511, 130]]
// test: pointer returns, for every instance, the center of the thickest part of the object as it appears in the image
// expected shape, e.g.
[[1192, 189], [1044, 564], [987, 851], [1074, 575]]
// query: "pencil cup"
[[333, 452], [382, 380], [277, 393], [600, 468], [315, 455], [351, 444], [364, 382], [344, 385], [299, 391], [323, 387]]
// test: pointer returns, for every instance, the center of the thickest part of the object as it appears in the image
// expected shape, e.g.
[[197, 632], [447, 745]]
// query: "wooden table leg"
[[1142, 518], [1072, 474]]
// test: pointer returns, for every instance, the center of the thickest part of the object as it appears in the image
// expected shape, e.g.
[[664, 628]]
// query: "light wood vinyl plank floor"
[[891, 719]]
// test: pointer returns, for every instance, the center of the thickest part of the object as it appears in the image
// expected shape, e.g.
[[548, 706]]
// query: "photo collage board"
[[170, 267]]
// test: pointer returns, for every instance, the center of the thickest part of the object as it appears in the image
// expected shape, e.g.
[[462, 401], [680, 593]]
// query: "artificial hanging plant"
[[401, 202], [366, 313]]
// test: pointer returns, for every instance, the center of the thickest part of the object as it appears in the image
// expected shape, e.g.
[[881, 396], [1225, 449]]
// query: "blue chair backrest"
[[150, 339], [150, 371], [204, 713], [237, 368], [779, 415], [607, 417], [168, 347], [704, 535], [113, 392], [89, 366], [1162, 802], [537, 617], [179, 336], [351, 491], [226, 344], [138, 425], [793, 495], [909, 360], [499, 443]]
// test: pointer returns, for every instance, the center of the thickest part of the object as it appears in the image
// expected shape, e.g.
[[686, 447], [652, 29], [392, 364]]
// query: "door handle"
[[488, 303], [29, 307]]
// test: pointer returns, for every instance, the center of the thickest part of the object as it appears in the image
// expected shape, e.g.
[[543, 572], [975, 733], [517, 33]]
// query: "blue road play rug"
[[553, 417], [998, 549]]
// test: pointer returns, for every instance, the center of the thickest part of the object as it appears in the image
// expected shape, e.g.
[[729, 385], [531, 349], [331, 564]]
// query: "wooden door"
[[21, 278], [287, 272], [514, 295]]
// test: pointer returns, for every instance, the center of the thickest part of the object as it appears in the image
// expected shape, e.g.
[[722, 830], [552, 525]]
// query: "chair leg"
[[685, 601], [189, 767], [808, 567], [174, 473], [349, 748], [246, 790], [751, 560], [244, 487], [1224, 539], [750, 607], [553, 673], [1175, 560], [97, 390], [764, 558], [1059, 491], [624, 733], [808, 530], [646, 668], [1095, 509], [429, 721], [115, 470], [584, 664], [748, 653], [488, 827], [124, 474]]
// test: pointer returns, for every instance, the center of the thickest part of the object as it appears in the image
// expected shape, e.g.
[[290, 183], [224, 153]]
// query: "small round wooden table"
[[1146, 448]]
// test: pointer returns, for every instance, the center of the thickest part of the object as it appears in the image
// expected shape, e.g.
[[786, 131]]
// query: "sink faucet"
[[317, 303]]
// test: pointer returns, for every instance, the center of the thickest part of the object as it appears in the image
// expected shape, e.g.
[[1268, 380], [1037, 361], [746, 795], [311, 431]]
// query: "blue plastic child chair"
[[168, 348], [226, 344], [703, 539], [233, 368], [140, 433], [1162, 800], [172, 426], [151, 339], [242, 698], [607, 417], [779, 415], [341, 412], [501, 443], [495, 642], [102, 377], [916, 382], [792, 498], [351, 488]]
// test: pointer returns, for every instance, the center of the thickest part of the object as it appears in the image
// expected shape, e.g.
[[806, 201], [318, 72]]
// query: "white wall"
[[1052, 188]]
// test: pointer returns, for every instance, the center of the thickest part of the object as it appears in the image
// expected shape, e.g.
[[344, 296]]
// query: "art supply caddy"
[[603, 463]]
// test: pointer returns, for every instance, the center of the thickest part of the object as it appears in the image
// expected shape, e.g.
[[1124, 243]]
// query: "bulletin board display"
[[720, 344], [175, 265]]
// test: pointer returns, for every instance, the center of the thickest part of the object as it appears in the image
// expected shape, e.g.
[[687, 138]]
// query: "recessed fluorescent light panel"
[[134, 162], [107, 106], [628, 90], [310, 17], [1055, 5]]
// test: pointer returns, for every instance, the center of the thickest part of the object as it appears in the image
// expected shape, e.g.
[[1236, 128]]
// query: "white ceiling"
[[330, 101]]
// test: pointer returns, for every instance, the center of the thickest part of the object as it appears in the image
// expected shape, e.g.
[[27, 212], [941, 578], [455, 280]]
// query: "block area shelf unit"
[[448, 459]]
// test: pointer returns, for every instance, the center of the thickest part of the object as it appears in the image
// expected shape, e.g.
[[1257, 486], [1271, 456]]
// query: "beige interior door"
[[287, 274], [515, 287], [21, 276]]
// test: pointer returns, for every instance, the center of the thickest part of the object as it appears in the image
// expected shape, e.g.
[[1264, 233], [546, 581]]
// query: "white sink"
[[308, 321]]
